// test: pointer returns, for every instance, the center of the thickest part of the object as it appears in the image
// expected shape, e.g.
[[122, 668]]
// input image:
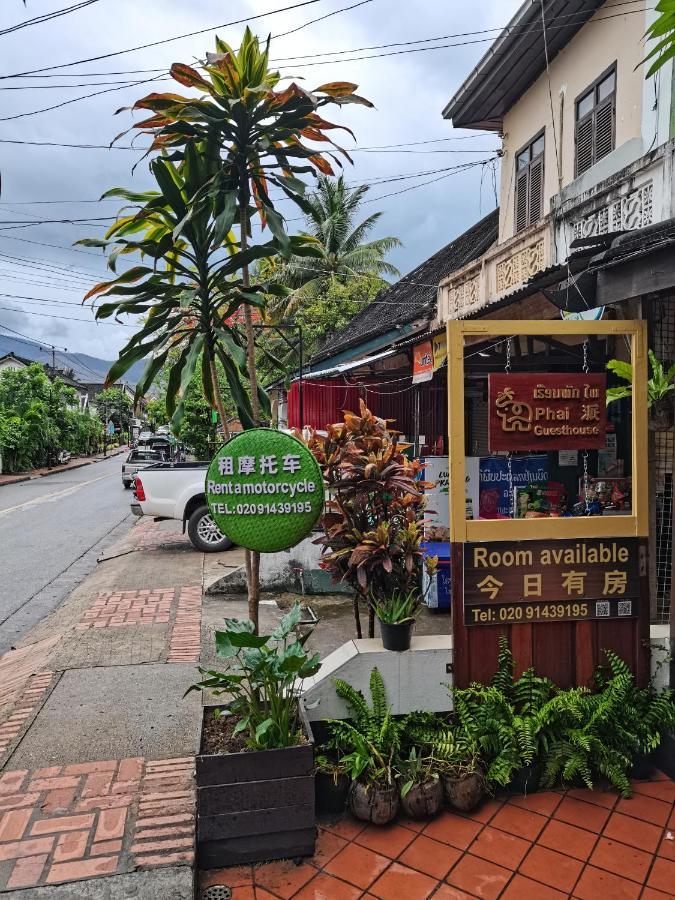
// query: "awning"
[[348, 366]]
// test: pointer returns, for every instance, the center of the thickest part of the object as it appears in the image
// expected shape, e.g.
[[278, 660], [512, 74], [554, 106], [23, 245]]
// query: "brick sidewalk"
[[76, 463], [66, 823], [548, 846]]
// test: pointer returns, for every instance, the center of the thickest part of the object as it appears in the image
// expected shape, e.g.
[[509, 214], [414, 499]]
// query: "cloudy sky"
[[409, 90]]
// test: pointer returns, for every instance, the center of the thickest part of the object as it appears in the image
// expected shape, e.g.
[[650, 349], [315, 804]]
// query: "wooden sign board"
[[525, 582], [543, 411]]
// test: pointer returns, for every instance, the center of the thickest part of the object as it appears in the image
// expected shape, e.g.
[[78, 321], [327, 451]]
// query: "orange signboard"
[[423, 362]]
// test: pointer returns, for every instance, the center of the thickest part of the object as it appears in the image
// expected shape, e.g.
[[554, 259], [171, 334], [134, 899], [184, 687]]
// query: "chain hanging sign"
[[545, 411], [550, 581], [265, 490]]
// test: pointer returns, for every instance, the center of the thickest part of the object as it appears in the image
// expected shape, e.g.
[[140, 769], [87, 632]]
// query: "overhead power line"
[[47, 17], [178, 37]]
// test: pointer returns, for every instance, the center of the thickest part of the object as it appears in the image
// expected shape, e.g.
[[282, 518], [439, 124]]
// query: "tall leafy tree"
[[221, 153], [332, 211]]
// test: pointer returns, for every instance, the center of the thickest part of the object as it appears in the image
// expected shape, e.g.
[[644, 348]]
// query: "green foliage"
[[371, 740], [115, 404], [399, 607], [662, 30], [415, 769], [659, 385], [38, 418], [263, 679]]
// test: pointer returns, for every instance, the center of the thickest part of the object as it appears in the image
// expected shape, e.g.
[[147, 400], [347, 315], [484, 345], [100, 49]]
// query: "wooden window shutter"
[[536, 190], [584, 144], [521, 199], [604, 129]]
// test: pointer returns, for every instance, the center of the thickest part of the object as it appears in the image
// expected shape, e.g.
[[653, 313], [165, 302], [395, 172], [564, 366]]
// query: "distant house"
[[14, 362]]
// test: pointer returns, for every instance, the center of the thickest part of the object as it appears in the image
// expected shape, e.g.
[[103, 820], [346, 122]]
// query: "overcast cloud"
[[409, 91]]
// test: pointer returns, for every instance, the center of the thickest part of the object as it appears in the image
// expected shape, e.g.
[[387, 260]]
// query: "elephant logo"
[[514, 415]]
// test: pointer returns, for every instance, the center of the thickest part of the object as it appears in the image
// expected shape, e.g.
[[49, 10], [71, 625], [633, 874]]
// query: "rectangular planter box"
[[255, 806]]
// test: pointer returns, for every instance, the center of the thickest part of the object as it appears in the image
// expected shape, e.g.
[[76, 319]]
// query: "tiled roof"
[[414, 295]]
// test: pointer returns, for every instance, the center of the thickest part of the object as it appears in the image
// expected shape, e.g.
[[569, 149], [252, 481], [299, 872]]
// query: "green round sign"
[[265, 490]]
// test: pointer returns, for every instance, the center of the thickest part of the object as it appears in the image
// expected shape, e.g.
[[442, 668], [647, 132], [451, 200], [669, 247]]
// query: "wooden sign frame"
[[463, 529]]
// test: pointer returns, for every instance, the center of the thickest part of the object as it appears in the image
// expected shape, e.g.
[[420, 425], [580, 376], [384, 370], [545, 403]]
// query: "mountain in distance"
[[88, 369]]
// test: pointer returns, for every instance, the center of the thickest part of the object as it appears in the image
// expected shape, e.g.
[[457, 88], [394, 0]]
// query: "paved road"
[[51, 531]]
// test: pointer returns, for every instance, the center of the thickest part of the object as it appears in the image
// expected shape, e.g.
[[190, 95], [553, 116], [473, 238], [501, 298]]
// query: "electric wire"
[[47, 17]]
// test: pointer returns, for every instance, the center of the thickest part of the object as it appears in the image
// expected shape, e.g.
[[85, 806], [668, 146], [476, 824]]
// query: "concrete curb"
[[68, 468]]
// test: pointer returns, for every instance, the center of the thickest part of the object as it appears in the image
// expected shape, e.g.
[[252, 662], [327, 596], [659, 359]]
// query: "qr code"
[[625, 607], [602, 608]]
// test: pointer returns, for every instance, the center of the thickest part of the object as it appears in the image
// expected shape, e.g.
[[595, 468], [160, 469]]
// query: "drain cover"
[[217, 892]]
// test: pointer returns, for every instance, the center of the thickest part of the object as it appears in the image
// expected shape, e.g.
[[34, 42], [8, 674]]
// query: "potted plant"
[[255, 769], [371, 742], [396, 616], [462, 774], [420, 786], [332, 783], [373, 522], [660, 388]]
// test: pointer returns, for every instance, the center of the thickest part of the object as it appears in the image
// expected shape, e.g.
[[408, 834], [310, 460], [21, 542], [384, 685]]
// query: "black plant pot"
[[330, 794], [642, 767], [398, 636], [525, 780]]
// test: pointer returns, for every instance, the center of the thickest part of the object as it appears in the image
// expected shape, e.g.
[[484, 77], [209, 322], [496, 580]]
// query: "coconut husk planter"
[[252, 805], [373, 802], [463, 791], [423, 801]]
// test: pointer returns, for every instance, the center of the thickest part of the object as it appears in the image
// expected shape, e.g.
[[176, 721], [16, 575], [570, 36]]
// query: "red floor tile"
[[413, 824], [607, 799], [389, 840], [521, 822], [521, 888], [346, 828], [496, 846], [543, 803], [401, 883], [551, 868], [328, 845], [234, 876], [596, 884], [448, 892], [628, 862], [244, 892], [357, 865], [642, 835], [652, 894], [584, 815], [484, 812], [454, 830], [662, 875], [430, 857], [567, 839], [283, 878], [262, 894], [325, 887], [659, 790], [646, 808], [479, 877], [667, 846]]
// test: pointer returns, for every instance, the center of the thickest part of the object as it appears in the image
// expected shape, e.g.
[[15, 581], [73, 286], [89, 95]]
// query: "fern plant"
[[371, 739]]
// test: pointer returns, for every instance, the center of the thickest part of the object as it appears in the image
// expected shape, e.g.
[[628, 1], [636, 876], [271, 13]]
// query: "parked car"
[[176, 491], [138, 459], [144, 435]]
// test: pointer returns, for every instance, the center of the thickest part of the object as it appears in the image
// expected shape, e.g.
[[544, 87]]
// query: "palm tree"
[[331, 212]]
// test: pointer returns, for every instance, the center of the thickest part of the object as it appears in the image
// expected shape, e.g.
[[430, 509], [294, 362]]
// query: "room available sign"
[[542, 411], [508, 582], [265, 490]]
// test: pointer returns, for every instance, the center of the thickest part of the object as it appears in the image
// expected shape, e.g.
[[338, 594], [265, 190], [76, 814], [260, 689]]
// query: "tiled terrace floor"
[[582, 844]]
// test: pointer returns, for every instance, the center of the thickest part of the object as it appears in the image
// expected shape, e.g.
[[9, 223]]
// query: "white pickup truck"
[[176, 491]]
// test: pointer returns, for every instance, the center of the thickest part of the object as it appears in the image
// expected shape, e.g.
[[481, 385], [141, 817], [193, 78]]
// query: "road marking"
[[48, 498]]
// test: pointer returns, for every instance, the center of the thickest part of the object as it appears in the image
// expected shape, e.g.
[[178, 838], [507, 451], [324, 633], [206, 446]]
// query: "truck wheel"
[[204, 534]]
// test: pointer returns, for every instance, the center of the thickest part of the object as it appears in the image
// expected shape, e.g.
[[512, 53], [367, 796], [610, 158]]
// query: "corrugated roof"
[[414, 295]]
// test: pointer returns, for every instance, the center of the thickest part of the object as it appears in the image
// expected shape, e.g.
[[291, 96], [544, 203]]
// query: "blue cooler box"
[[439, 592]]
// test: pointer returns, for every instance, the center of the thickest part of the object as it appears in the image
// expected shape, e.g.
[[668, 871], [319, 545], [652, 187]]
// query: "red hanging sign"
[[542, 411]]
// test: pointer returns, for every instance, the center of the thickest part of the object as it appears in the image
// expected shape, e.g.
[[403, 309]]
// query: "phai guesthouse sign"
[[540, 411], [265, 490]]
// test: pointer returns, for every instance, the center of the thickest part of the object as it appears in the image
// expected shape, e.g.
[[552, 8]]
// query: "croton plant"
[[374, 518]]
